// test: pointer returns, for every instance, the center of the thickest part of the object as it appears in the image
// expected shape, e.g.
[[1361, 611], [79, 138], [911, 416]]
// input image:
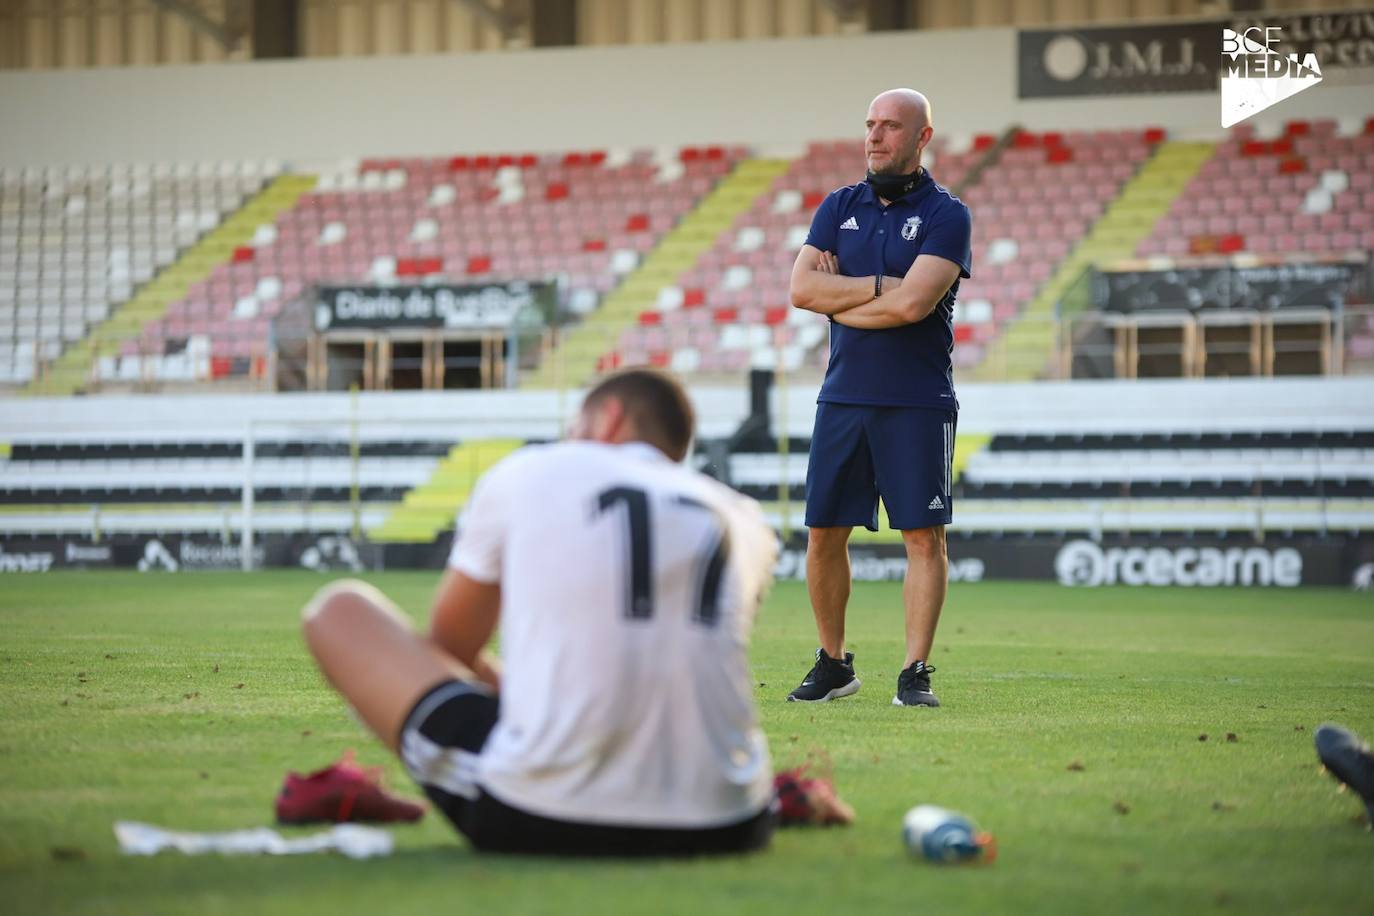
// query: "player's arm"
[[463, 620], [818, 287], [915, 297], [468, 604]]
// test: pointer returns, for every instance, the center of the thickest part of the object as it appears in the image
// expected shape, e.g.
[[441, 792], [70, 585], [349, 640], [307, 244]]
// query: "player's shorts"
[[860, 452], [441, 742]]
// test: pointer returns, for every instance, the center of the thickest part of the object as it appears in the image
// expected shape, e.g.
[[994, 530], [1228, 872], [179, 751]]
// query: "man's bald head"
[[899, 127], [914, 104]]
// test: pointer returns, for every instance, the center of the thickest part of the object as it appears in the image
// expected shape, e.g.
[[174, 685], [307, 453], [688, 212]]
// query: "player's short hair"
[[655, 403]]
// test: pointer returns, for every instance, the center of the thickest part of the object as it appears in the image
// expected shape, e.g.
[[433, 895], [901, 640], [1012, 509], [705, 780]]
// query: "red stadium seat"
[[1202, 244]]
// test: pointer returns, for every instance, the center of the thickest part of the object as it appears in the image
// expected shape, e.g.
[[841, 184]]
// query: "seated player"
[[621, 719]]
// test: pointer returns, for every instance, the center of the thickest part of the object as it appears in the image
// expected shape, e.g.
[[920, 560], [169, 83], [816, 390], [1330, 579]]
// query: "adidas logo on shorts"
[[936, 503], [850, 223]]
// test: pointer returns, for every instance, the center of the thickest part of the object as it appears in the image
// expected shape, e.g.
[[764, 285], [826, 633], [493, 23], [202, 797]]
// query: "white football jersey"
[[629, 585]]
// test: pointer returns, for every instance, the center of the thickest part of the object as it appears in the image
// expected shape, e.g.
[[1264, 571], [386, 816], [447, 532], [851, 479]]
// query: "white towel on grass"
[[356, 842]]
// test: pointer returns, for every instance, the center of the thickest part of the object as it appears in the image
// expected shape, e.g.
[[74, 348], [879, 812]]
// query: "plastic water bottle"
[[945, 837]]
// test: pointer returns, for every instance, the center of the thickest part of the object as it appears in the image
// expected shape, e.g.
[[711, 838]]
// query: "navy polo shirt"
[[907, 366]]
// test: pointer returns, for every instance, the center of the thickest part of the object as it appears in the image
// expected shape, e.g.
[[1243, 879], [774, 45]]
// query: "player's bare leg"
[[923, 595], [923, 589], [373, 656], [828, 584]]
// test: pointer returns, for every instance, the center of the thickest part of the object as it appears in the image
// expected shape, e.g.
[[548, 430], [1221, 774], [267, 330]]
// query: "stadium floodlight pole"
[[246, 538]]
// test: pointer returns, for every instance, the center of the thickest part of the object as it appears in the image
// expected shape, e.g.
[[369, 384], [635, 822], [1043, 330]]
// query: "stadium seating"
[[195, 484], [409, 488], [585, 218], [1032, 199], [1032, 206], [1146, 482], [75, 242], [1310, 190], [730, 310]]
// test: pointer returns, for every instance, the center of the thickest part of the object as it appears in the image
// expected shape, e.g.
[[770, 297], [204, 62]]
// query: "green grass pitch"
[[182, 700]]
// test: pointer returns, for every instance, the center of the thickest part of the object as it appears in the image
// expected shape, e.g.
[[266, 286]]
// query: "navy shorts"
[[860, 453]]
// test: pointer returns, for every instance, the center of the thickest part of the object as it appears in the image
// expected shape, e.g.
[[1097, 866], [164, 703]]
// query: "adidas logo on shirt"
[[850, 223], [936, 503]]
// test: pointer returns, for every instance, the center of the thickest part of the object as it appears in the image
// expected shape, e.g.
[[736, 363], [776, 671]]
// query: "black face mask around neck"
[[894, 187]]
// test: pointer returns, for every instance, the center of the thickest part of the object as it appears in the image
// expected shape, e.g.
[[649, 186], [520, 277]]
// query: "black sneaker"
[[1348, 760], [913, 687], [828, 679]]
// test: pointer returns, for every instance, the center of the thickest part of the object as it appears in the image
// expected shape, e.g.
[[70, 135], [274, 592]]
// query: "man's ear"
[[923, 139], [609, 420]]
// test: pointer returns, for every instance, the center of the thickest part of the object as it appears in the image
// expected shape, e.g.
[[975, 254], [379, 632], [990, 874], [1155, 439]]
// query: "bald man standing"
[[883, 261]]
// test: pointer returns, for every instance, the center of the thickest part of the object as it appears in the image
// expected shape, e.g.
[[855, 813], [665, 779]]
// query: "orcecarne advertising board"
[[486, 306], [1084, 563], [1184, 57], [1078, 562]]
